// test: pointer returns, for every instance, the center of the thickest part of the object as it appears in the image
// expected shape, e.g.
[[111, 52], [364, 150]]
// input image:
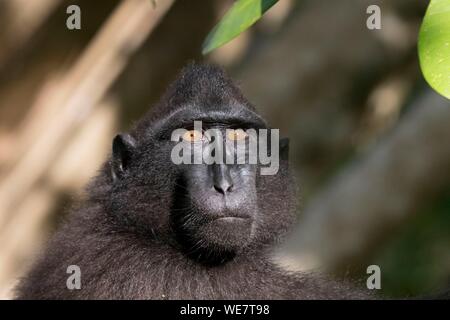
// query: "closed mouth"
[[232, 219]]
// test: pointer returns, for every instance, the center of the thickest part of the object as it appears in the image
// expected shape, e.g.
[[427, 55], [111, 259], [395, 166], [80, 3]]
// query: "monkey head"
[[214, 203]]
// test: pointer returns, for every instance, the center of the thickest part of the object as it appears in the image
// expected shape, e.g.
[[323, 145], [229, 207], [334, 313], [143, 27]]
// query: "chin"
[[227, 234]]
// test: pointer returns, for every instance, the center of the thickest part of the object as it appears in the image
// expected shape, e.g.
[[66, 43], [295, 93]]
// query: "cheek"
[[277, 206], [141, 207]]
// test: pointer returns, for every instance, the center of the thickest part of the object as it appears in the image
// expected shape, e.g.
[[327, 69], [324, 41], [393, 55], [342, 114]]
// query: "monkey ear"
[[284, 148], [122, 149]]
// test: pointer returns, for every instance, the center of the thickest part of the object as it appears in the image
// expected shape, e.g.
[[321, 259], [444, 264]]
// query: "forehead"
[[227, 115]]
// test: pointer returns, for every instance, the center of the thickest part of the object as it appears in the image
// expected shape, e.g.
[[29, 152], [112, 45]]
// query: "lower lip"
[[231, 219]]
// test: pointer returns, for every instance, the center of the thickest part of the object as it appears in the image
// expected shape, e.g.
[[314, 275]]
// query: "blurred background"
[[370, 141]]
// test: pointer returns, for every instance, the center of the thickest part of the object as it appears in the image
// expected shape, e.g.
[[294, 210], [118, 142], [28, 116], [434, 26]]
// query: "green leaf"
[[434, 46], [241, 15]]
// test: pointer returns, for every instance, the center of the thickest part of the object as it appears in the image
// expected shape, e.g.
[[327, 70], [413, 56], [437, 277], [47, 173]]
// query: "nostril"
[[222, 181], [218, 189], [223, 188]]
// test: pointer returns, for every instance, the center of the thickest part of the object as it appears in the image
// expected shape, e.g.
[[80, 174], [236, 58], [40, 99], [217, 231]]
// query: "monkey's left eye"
[[237, 135], [192, 136]]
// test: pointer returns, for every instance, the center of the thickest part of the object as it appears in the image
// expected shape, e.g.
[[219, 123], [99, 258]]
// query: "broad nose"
[[222, 181]]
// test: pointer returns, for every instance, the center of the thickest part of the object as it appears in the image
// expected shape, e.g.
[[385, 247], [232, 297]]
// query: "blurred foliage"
[[434, 46], [417, 259], [241, 16]]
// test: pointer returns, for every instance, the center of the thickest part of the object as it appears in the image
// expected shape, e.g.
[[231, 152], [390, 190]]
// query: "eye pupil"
[[192, 136]]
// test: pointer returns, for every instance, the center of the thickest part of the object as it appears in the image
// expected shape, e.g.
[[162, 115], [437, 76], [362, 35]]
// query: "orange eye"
[[192, 136], [237, 135]]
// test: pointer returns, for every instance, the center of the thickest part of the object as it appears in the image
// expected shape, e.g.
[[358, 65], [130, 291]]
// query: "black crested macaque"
[[153, 229]]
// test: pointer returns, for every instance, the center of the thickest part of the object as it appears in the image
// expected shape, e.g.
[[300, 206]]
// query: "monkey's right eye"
[[192, 136]]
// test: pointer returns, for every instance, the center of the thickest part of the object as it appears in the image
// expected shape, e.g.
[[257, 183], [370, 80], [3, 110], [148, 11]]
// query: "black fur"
[[128, 237]]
